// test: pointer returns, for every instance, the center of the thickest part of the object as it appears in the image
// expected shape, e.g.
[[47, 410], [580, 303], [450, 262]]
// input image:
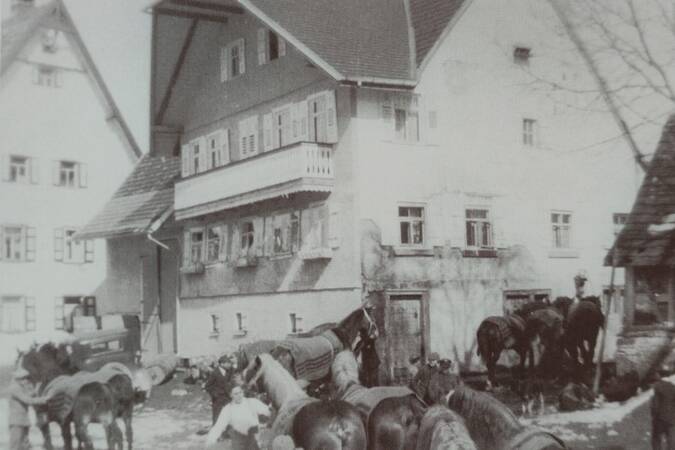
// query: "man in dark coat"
[[420, 384], [663, 415], [370, 362], [219, 385]]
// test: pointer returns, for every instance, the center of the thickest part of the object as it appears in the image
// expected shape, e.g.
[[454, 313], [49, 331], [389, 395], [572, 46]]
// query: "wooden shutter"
[[243, 139], [34, 168], [262, 46], [301, 117], [267, 132], [433, 222], [259, 235], [185, 160], [387, 115], [82, 172], [186, 248], [225, 146], [224, 242], [254, 130], [59, 316], [276, 142], [282, 46], [235, 247], [30, 313], [58, 244], [242, 56], [331, 118], [269, 235], [203, 154], [88, 251], [5, 167], [224, 63], [30, 244], [56, 172], [334, 235]]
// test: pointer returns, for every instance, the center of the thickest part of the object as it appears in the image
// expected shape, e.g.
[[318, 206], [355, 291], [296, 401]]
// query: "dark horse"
[[582, 325], [519, 332], [80, 398], [313, 424], [396, 419]]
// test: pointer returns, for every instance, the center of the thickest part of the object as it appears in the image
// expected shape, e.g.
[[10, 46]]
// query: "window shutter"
[[236, 241], [433, 218], [301, 117], [254, 131], [499, 239], [88, 251], [267, 132], [258, 230], [30, 244], [58, 244], [203, 154], [82, 169], [224, 61], [207, 153], [186, 248], [242, 56], [224, 238], [269, 235], [331, 118], [58, 313], [243, 139], [334, 234], [262, 46], [282, 46], [30, 313], [34, 168], [387, 114], [185, 161], [225, 147], [56, 172]]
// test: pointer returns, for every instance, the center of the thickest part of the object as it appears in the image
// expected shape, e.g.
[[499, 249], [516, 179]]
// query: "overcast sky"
[[117, 34]]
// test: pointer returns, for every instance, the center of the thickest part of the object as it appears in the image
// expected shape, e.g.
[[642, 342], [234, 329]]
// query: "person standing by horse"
[[22, 393], [219, 384], [241, 414], [663, 415], [420, 383], [370, 362]]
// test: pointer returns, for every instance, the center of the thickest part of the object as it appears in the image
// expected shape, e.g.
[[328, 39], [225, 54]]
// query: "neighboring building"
[[337, 152], [646, 249], [65, 148]]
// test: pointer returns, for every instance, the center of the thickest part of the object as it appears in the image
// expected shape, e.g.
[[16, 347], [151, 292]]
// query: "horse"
[[313, 424], [582, 325], [395, 417], [492, 425]]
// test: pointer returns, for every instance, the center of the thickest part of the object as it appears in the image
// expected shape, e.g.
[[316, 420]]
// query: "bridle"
[[372, 326]]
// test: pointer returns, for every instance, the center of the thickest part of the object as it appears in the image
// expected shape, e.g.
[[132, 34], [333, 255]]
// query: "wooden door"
[[405, 334], [168, 290]]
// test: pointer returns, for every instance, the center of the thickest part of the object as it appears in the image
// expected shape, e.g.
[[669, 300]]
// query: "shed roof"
[[144, 197], [647, 238]]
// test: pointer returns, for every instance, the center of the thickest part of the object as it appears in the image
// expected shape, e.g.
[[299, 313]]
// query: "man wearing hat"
[[579, 291], [220, 384], [22, 395], [420, 383]]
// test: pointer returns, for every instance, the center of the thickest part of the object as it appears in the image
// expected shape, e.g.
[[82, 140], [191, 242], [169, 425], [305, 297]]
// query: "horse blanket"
[[506, 326], [312, 356], [250, 351], [366, 399], [283, 423], [64, 388]]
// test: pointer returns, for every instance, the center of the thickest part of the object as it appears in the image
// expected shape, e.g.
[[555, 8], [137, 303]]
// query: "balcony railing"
[[304, 166]]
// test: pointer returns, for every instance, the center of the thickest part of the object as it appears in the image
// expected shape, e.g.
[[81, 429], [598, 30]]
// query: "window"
[[295, 322], [195, 157], [215, 240], [401, 115], [17, 314], [521, 56], [529, 132], [406, 124], [270, 46], [283, 231], [18, 169], [619, 220], [196, 245], [69, 250], [247, 234], [214, 151], [48, 38], [561, 224], [215, 323], [18, 243], [411, 225], [515, 300], [240, 323], [47, 76], [478, 228], [70, 174], [232, 60]]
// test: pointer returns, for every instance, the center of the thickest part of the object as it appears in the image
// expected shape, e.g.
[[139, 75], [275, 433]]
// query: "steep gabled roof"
[[648, 237], [20, 28], [145, 197], [429, 19]]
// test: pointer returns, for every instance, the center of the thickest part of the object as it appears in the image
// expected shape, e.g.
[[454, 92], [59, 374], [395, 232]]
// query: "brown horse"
[[313, 424], [582, 325], [493, 426], [394, 416]]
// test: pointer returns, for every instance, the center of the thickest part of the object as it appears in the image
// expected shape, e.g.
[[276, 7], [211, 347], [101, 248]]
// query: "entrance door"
[[405, 334], [168, 277]]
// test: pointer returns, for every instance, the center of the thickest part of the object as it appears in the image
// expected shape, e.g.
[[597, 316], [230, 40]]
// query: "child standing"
[[22, 395]]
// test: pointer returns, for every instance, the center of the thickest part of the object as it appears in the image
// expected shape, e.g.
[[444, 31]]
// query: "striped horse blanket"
[[312, 356], [65, 388], [509, 327], [366, 399]]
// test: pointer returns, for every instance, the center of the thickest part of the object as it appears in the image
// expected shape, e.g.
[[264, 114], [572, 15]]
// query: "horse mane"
[[344, 370], [279, 384]]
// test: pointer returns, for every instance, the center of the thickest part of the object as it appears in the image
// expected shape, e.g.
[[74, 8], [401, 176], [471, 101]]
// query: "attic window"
[[521, 55], [48, 39]]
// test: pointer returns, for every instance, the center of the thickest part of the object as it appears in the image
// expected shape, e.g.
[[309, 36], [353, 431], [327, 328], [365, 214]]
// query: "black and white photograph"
[[337, 224]]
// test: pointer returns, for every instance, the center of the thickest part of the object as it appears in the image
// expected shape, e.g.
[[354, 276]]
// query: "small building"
[[646, 249], [65, 149], [395, 152]]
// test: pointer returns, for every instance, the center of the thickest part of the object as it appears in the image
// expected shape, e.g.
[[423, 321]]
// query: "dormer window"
[[232, 60], [270, 46], [47, 76], [48, 38], [521, 55]]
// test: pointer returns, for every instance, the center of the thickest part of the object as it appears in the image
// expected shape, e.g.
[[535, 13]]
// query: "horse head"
[[563, 304], [359, 322], [43, 363]]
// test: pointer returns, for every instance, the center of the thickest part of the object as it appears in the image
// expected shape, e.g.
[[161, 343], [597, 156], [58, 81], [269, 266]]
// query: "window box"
[[563, 253], [480, 253], [193, 268], [247, 261], [240, 333], [316, 253], [413, 251]]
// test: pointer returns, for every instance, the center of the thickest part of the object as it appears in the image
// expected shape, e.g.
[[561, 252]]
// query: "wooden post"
[[598, 370]]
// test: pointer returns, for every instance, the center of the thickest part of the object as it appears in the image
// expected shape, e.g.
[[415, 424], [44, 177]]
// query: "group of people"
[[432, 380]]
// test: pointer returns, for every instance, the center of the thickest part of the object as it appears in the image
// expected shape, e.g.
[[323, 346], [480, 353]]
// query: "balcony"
[[299, 167]]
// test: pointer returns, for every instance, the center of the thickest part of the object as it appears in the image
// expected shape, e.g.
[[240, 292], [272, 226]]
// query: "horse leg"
[[67, 434], [84, 441], [128, 431], [47, 438]]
